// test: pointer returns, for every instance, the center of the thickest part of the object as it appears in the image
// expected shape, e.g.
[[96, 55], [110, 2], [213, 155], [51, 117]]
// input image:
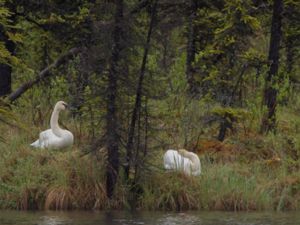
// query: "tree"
[[291, 37], [191, 48], [7, 17], [270, 92], [220, 64], [139, 90], [112, 124], [5, 69]]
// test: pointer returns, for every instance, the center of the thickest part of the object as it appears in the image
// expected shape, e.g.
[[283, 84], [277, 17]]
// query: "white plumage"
[[182, 160], [55, 137]]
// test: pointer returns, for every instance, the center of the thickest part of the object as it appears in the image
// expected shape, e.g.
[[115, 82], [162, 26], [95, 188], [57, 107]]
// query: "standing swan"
[[55, 137], [182, 160]]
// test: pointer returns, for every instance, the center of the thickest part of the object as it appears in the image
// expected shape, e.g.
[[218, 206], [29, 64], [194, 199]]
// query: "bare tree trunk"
[[137, 106], [112, 140], [270, 93]]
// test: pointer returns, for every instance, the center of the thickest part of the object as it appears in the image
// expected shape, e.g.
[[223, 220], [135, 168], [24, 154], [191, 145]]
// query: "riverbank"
[[232, 179]]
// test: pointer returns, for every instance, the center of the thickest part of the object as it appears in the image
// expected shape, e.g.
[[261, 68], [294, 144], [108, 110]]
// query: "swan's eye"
[[65, 105]]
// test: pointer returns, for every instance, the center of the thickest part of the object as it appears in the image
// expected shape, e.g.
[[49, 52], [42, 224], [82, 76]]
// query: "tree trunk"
[[191, 48], [137, 105], [270, 93], [112, 141], [5, 70], [225, 124], [223, 129], [5, 79]]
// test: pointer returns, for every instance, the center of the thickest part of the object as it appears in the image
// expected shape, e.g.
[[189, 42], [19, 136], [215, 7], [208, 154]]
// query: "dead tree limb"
[[44, 73]]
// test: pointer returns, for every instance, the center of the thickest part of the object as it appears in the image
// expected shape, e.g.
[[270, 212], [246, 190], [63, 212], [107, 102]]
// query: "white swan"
[[182, 160], [55, 137]]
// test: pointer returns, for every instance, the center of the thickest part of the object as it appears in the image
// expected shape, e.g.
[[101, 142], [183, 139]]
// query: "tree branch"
[[44, 73]]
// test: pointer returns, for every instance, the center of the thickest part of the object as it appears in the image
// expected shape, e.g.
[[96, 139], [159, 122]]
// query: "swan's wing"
[[192, 168], [169, 159], [67, 138], [48, 139], [197, 167], [46, 135], [172, 160], [45, 139], [187, 166]]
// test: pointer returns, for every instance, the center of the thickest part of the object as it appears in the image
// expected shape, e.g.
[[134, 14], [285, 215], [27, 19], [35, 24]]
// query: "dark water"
[[147, 218]]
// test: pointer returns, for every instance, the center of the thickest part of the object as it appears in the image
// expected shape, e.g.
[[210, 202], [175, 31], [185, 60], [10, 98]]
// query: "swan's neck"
[[54, 123], [195, 163]]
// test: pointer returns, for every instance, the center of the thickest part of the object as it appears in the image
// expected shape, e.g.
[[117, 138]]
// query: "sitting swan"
[[182, 160], [55, 137]]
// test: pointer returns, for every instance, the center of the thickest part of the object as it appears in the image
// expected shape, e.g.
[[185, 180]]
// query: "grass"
[[242, 175], [230, 187], [44, 179]]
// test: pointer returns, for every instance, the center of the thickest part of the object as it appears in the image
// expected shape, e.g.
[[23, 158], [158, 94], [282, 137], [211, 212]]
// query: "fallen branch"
[[44, 73]]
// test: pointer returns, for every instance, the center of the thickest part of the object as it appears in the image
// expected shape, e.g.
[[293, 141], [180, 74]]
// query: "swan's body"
[[182, 160], [55, 137]]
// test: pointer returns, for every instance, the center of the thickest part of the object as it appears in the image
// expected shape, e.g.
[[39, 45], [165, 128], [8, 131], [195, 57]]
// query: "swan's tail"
[[35, 144]]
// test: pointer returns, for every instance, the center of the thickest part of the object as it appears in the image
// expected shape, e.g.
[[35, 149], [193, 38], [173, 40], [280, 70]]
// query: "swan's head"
[[182, 151], [61, 105]]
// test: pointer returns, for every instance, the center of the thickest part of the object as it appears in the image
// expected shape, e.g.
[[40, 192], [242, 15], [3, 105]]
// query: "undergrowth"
[[247, 171]]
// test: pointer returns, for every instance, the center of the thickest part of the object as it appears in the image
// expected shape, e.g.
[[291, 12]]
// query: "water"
[[146, 218]]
